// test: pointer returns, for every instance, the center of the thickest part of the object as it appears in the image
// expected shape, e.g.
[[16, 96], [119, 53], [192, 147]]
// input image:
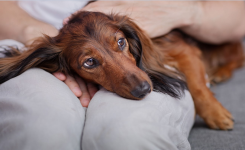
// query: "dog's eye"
[[90, 63], [121, 43]]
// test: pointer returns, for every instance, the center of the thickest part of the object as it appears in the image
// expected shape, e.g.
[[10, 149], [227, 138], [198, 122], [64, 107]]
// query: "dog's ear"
[[43, 53], [138, 41]]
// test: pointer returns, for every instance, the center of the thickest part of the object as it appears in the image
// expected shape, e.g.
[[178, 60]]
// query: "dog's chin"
[[131, 97]]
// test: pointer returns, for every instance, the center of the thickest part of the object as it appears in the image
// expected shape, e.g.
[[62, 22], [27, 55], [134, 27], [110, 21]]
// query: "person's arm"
[[212, 22], [16, 24], [218, 22]]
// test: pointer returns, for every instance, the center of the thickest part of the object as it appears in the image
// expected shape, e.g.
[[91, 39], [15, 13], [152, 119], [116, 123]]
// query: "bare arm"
[[212, 22], [218, 22], [16, 24]]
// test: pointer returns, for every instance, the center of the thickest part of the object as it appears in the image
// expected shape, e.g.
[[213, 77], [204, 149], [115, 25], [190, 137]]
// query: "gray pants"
[[39, 112]]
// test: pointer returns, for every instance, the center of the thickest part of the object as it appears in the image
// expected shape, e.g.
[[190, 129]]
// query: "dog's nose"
[[141, 90]]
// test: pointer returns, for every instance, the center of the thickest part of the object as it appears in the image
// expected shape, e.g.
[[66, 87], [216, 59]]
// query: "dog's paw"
[[219, 118], [221, 75]]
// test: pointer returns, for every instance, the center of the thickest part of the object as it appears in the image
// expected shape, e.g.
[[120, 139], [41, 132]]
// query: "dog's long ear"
[[138, 41], [141, 46], [43, 53]]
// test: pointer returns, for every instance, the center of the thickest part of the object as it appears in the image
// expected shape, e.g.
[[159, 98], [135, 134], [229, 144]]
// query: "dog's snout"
[[141, 90]]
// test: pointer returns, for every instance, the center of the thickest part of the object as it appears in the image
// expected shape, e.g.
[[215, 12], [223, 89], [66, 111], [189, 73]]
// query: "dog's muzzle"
[[141, 90]]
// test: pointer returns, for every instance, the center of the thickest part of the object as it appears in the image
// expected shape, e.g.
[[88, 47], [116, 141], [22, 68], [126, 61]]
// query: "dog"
[[112, 51]]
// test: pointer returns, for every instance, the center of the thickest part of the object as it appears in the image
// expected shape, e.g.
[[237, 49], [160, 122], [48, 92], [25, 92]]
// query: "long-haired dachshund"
[[114, 52]]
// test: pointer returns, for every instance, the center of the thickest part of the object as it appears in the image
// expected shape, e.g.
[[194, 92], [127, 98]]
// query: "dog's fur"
[[89, 45]]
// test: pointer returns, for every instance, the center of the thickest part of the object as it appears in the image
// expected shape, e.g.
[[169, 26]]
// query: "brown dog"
[[112, 51]]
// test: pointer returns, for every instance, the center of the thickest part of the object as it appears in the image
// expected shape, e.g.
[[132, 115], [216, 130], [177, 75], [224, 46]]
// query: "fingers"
[[59, 75], [106, 6], [100, 6], [65, 21], [85, 91], [70, 82], [92, 89], [73, 85], [85, 97]]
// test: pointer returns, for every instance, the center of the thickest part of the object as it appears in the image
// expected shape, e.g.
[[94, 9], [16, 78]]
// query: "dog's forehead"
[[92, 25], [99, 32], [93, 32]]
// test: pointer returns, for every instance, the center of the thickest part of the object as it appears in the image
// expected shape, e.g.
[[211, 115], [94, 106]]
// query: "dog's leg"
[[224, 72], [222, 60], [188, 59], [213, 113]]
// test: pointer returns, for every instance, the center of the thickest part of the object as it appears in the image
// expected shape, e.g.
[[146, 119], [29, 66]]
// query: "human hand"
[[156, 18], [83, 90]]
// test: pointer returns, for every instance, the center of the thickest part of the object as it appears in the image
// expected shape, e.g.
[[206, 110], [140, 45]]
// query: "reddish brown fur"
[[218, 62], [95, 35]]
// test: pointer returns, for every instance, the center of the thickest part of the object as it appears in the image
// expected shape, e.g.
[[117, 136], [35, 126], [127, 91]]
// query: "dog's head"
[[106, 49]]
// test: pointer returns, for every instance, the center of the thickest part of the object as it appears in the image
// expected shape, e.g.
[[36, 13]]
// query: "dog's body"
[[112, 51]]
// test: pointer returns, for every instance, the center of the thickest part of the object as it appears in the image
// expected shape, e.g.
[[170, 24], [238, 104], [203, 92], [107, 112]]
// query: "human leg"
[[158, 122], [37, 111]]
